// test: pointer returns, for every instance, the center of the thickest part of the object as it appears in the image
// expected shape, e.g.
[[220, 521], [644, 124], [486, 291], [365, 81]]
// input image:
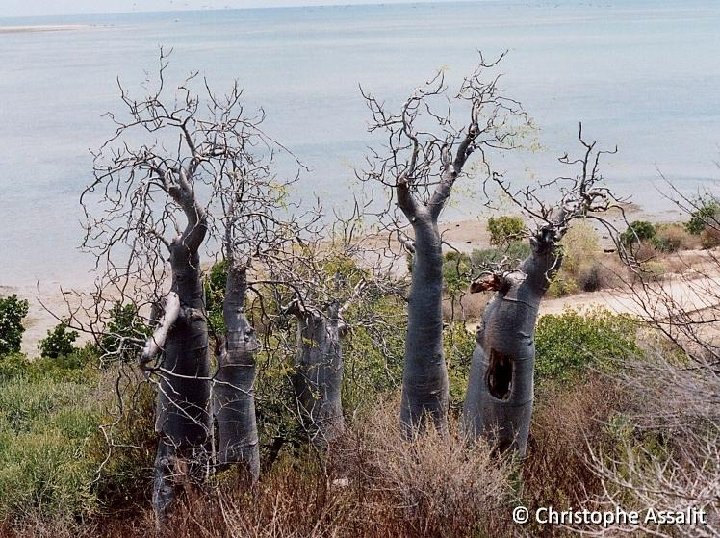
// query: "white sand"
[[41, 28], [48, 300]]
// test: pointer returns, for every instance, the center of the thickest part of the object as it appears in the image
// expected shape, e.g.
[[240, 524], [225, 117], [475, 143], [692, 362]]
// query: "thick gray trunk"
[[425, 388], [234, 384], [182, 417], [498, 404], [319, 375]]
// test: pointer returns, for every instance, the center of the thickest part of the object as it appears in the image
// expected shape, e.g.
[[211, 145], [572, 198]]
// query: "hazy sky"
[[14, 8]]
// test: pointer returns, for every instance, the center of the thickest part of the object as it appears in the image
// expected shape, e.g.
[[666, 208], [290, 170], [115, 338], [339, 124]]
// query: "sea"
[[642, 75]]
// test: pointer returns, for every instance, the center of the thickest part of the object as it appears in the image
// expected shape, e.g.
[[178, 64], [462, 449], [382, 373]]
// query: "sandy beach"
[[41, 28], [48, 298]]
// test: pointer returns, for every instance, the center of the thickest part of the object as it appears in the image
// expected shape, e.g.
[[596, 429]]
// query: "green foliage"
[[58, 342], [214, 296], [637, 232], [128, 438], [707, 210], [456, 272], [276, 417], [73, 367], [47, 415], [458, 345], [12, 312], [53, 457], [505, 230], [124, 332], [78, 366], [569, 343], [373, 353], [12, 365], [514, 252]]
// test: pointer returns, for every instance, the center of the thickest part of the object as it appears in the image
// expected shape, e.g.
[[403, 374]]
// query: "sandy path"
[[689, 294]]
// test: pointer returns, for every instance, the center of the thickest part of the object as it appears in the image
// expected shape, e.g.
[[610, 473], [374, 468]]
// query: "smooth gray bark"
[[498, 404], [425, 388], [182, 418], [234, 383], [319, 374]]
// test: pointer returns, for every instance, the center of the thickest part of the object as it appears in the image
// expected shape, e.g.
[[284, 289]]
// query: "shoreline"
[[32, 28], [463, 235]]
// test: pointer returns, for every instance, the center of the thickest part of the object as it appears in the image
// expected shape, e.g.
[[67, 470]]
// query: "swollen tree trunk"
[[319, 374], [182, 418], [425, 387], [234, 383], [498, 404]]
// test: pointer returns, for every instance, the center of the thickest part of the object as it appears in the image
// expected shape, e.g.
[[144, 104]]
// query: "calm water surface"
[[642, 74]]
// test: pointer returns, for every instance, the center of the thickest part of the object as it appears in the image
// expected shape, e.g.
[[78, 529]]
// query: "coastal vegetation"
[[257, 367]]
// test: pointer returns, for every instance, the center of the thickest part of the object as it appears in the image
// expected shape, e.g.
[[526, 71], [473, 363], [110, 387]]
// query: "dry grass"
[[434, 486], [671, 460], [374, 485], [466, 307], [674, 237], [710, 238], [567, 422]]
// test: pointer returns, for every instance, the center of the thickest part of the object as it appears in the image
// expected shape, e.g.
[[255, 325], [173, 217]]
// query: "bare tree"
[[676, 388], [256, 230], [420, 167], [329, 273], [499, 399], [181, 171]]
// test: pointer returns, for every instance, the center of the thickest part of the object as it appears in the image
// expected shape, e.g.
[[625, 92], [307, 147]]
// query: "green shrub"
[[50, 409], [458, 345], [44, 474], [513, 252], [77, 366], [124, 332], [456, 272], [215, 294], [12, 365], [567, 344], [12, 312], [373, 353], [45, 470], [637, 232], [124, 450], [58, 342], [707, 212], [504, 230]]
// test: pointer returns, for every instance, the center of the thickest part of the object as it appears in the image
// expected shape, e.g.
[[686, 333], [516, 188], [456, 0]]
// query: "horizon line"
[[327, 4]]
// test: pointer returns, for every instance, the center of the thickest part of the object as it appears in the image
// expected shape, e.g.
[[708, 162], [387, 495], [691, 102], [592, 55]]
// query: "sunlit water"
[[643, 75]]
